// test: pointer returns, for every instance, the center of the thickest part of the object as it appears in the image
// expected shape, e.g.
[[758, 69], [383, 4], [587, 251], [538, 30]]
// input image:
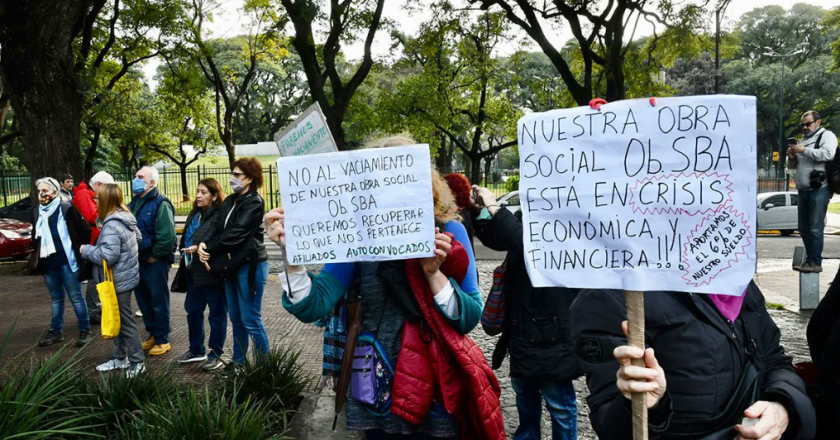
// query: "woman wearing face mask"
[[238, 254], [204, 289], [60, 231]]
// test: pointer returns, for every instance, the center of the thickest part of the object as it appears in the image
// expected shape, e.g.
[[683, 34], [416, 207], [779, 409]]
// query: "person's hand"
[[772, 421], [82, 248], [649, 379], [151, 260], [443, 244], [487, 197], [275, 227], [796, 149], [202, 253], [191, 249]]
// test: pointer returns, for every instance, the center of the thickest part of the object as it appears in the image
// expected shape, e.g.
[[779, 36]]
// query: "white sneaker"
[[134, 370], [138, 314], [113, 364]]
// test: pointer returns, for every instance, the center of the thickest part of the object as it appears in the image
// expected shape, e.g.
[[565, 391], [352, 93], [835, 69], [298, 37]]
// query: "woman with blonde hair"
[[382, 314], [117, 246]]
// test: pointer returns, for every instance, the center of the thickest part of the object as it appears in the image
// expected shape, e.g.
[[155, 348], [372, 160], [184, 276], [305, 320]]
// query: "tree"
[[600, 30], [136, 31], [41, 73], [231, 86], [455, 94], [326, 85], [181, 117]]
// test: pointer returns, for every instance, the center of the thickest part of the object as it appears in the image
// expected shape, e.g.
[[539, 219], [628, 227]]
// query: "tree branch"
[[112, 36]]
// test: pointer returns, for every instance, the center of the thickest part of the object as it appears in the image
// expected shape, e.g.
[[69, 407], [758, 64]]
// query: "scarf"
[[42, 231], [729, 305]]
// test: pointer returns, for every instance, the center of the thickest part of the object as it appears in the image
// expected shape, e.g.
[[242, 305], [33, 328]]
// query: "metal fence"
[[17, 186]]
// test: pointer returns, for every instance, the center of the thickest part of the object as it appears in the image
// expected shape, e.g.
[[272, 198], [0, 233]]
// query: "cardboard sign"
[[363, 205], [308, 134], [641, 197]]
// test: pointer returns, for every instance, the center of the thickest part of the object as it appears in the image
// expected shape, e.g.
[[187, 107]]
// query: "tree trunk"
[[488, 161], [475, 169], [90, 152], [185, 192], [227, 138], [38, 68]]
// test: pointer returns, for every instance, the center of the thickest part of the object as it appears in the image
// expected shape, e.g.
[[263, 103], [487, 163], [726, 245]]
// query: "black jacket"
[[79, 231], [701, 352], [823, 342], [536, 319], [207, 229], [244, 231]]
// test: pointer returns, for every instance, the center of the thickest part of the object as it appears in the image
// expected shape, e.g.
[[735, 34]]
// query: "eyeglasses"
[[237, 175], [806, 124]]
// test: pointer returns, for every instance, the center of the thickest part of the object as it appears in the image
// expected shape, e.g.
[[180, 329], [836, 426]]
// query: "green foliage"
[[276, 380], [512, 183]]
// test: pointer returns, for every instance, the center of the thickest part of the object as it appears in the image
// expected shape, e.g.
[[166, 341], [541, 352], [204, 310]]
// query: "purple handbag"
[[363, 376]]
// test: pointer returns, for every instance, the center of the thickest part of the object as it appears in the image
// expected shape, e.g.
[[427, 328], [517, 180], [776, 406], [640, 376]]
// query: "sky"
[[230, 22]]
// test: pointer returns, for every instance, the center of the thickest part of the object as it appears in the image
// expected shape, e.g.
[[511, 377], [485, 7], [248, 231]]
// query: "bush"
[[276, 380], [211, 415], [512, 184], [42, 399]]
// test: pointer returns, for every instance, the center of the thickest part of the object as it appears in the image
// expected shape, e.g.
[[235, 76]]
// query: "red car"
[[15, 239]]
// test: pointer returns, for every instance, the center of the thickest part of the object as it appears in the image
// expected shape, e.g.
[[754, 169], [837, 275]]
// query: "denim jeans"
[[152, 296], [812, 209], [59, 282], [245, 312], [199, 298], [559, 400]]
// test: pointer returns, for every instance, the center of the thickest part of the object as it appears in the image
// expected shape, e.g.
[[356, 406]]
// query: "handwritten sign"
[[641, 197], [308, 134], [363, 205]]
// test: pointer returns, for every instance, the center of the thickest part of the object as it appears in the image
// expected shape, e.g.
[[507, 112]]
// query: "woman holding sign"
[[238, 254], [384, 319], [714, 368]]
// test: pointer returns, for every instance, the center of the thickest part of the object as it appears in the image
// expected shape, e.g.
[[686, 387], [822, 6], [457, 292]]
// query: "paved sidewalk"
[[25, 298]]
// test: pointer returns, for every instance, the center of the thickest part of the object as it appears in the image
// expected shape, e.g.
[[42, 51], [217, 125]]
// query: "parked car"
[[511, 200], [15, 239], [777, 211]]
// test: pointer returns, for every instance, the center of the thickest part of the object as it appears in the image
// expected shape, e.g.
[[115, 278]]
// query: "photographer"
[[808, 158]]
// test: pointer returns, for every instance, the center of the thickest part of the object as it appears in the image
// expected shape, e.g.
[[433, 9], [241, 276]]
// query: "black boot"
[[51, 338], [84, 338]]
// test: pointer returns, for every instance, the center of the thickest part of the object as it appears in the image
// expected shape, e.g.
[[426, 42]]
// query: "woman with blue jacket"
[[313, 297]]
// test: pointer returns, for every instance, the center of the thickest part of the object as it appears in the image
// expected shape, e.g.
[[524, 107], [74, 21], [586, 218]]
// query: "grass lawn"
[[834, 207]]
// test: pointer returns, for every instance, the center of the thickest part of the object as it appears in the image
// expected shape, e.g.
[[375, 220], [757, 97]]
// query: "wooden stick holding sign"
[[636, 337], [307, 134]]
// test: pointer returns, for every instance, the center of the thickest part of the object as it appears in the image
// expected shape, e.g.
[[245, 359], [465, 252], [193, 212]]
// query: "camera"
[[816, 179]]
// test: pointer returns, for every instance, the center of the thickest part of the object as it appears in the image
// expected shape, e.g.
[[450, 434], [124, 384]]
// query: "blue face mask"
[[138, 186]]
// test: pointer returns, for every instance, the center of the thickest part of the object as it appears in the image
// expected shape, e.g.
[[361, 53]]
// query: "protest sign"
[[641, 197], [308, 134], [363, 205]]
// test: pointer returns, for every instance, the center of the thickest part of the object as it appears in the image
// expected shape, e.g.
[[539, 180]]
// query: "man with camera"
[[809, 157]]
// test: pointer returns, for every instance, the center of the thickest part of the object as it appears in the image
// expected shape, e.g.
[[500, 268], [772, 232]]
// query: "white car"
[[511, 200], [777, 211]]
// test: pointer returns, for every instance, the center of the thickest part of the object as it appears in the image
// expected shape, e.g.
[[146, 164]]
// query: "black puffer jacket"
[[702, 353], [207, 229], [244, 231], [536, 319]]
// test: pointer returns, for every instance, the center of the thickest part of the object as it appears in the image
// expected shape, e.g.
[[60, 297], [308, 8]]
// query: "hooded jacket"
[[83, 201], [118, 245]]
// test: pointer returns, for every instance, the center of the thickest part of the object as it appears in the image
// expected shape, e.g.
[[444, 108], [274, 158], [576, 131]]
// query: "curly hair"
[[460, 186]]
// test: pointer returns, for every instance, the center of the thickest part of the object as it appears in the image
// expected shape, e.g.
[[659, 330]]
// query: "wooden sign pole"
[[636, 335]]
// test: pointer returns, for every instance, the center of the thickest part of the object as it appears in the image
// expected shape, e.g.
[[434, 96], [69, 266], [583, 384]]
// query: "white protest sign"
[[640, 197], [363, 205], [308, 134]]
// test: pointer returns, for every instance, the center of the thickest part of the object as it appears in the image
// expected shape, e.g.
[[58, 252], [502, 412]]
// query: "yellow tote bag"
[[110, 309]]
